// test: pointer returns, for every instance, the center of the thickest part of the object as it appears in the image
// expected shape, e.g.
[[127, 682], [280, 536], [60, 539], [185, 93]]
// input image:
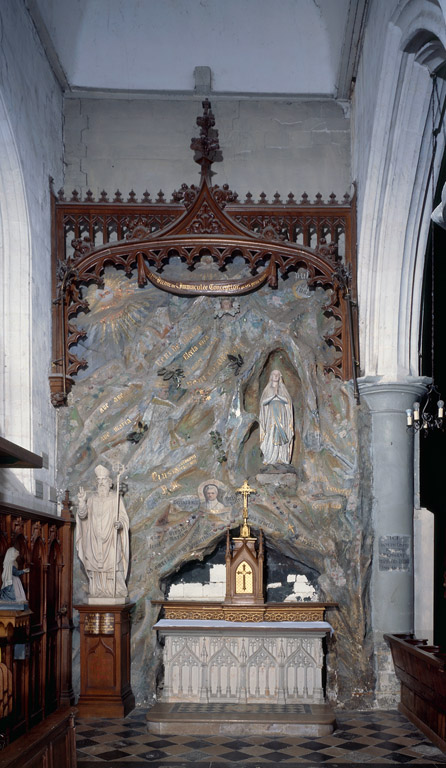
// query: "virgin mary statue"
[[276, 422]]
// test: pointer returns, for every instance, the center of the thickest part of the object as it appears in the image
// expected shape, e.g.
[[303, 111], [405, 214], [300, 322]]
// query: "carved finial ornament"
[[206, 146]]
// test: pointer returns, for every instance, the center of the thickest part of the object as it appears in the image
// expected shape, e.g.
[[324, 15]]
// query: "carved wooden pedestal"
[[105, 661]]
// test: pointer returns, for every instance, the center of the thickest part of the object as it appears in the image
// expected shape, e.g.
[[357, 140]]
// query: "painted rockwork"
[[186, 369]]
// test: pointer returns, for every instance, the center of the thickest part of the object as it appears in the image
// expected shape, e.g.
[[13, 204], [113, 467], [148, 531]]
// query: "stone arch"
[[394, 211]]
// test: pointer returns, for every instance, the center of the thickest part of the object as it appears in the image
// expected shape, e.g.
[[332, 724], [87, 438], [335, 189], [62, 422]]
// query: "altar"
[[218, 667], [260, 661], [242, 662]]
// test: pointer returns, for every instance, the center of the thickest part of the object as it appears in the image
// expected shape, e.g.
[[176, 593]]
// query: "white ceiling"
[[252, 46]]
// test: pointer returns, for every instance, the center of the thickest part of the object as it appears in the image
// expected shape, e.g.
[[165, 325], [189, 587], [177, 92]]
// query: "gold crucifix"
[[245, 490]]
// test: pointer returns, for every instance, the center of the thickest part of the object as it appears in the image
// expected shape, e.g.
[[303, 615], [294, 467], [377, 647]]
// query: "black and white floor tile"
[[375, 738]]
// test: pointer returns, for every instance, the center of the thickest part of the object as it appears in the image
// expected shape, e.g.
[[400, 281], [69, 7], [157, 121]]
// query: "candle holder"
[[428, 414]]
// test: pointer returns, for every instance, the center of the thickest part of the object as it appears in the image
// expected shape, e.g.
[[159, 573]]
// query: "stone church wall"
[[298, 146], [30, 152]]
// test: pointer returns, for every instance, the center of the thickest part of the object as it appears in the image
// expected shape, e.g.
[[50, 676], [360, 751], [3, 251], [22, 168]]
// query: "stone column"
[[392, 455]]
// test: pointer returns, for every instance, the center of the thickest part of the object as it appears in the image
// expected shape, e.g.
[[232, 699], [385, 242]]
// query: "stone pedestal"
[[105, 661]]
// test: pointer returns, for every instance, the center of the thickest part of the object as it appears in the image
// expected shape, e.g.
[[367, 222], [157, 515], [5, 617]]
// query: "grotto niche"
[[172, 392]]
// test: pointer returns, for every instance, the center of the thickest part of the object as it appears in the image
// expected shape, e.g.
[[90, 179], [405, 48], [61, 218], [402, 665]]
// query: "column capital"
[[384, 396]]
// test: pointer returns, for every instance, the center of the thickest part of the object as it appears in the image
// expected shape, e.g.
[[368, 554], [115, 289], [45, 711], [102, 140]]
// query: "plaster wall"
[[267, 145], [254, 45], [31, 151]]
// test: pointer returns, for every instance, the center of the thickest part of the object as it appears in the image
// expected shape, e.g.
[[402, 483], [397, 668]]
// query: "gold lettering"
[[184, 463], [190, 352], [209, 287]]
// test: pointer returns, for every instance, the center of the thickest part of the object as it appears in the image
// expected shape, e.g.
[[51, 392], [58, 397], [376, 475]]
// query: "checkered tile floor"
[[376, 738]]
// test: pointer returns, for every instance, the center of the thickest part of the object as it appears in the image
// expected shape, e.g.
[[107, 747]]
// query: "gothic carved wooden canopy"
[[272, 238]]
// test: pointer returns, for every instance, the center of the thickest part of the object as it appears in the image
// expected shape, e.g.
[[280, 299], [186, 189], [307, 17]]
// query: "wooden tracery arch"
[[272, 239]]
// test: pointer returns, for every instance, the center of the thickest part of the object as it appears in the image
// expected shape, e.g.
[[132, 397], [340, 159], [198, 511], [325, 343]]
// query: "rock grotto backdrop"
[[172, 392]]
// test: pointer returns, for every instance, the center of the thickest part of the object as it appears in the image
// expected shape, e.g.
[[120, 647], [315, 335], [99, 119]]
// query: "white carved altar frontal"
[[243, 662]]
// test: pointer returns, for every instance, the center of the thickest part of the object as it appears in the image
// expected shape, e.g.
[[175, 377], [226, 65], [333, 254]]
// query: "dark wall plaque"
[[395, 553]]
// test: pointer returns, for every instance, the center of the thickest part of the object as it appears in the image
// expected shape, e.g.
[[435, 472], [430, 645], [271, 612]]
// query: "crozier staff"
[[276, 421], [102, 538]]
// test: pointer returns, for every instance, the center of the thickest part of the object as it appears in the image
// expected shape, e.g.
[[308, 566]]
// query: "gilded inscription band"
[[210, 288]]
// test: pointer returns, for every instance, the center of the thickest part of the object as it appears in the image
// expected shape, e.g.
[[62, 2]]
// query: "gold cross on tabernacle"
[[245, 490]]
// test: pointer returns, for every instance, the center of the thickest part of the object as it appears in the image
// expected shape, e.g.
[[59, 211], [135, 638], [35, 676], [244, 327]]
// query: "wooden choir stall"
[[36, 695]]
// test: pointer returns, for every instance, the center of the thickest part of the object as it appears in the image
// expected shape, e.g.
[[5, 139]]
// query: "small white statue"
[[12, 589], [276, 422], [102, 540]]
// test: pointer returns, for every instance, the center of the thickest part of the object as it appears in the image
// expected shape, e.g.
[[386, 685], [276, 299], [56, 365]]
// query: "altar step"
[[218, 719]]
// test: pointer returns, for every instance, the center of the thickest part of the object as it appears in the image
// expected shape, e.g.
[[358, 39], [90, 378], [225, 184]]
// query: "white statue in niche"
[[12, 589], [102, 540], [276, 421]]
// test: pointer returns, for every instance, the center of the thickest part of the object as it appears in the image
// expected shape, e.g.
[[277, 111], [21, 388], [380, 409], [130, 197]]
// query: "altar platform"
[[220, 719]]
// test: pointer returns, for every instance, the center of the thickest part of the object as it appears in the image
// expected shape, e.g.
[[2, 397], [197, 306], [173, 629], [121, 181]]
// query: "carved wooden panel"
[[42, 677], [421, 670], [105, 661], [50, 745], [140, 237]]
